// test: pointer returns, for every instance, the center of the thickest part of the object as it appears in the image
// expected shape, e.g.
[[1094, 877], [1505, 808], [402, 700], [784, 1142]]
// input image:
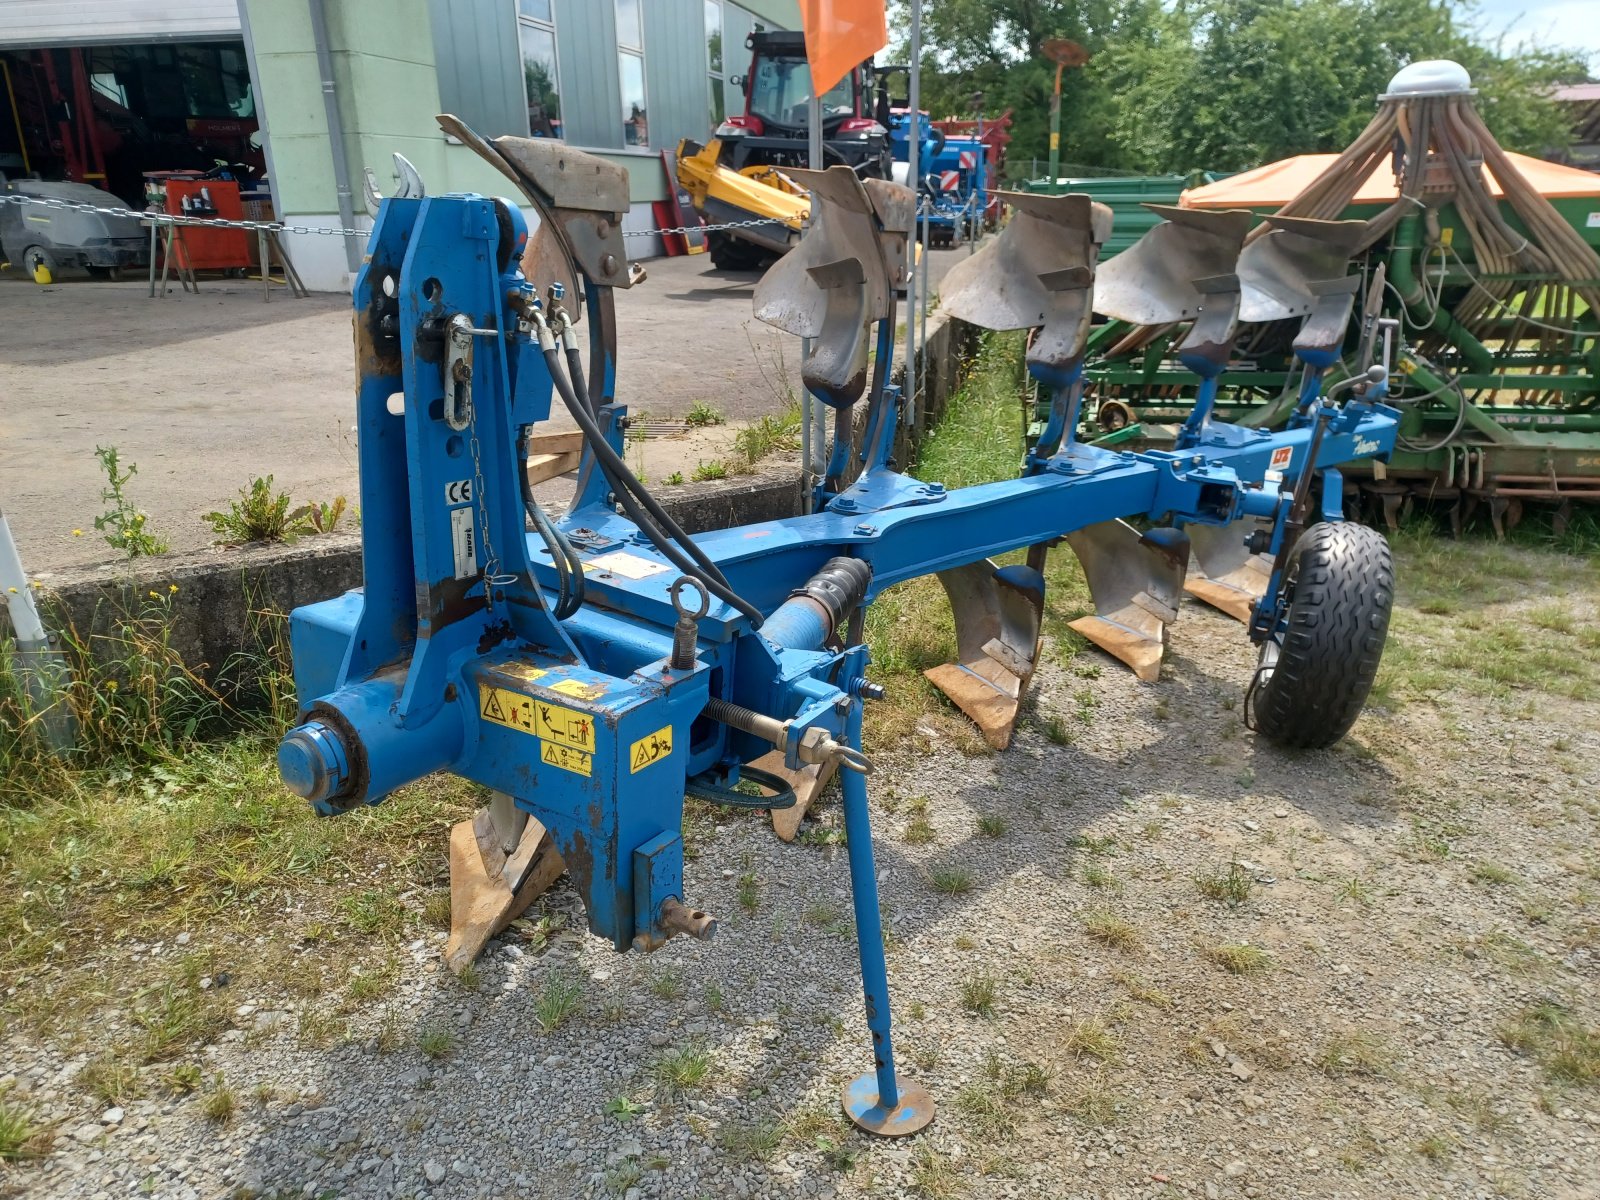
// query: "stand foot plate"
[[861, 1105]]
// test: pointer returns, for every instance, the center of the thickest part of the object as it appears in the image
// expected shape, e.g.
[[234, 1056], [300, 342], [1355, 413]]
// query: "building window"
[[630, 69], [714, 66], [537, 32]]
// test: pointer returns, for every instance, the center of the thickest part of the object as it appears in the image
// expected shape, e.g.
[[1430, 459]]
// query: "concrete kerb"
[[226, 600]]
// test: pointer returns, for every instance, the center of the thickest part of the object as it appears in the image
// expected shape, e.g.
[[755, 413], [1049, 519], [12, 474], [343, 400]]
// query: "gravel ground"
[[1416, 888]]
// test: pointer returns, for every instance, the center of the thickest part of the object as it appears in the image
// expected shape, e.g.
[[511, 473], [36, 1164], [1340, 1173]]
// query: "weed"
[[755, 1142], [1239, 958], [986, 1109], [183, 1078], [978, 993], [1231, 887], [220, 1104], [258, 515], [1111, 930], [933, 1175], [111, 1078], [559, 1001], [707, 471], [1354, 1053], [951, 881], [622, 1108], [1091, 1039], [320, 516], [20, 1135], [769, 435], [1435, 1146], [1491, 873], [918, 831], [992, 825], [674, 479], [1058, 730], [1562, 1045], [436, 1042], [715, 1001], [749, 892], [667, 984], [321, 1028], [701, 415], [624, 1177], [681, 1069], [1097, 876], [1355, 889], [125, 526], [373, 911], [1139, 990], [469, 978], [1093, 1102]]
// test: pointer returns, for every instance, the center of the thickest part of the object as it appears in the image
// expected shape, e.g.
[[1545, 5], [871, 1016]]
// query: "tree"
[[1220, 84]]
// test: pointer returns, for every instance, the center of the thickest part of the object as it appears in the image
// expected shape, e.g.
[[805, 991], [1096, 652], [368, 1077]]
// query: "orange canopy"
[[1280, 182], [841, 35]]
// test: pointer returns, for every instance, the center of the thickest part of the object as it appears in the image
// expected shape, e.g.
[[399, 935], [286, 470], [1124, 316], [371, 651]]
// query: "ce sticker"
[[459, 492]]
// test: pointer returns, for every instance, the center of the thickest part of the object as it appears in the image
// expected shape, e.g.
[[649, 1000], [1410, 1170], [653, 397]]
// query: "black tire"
[[1339, 581], [732, 254]]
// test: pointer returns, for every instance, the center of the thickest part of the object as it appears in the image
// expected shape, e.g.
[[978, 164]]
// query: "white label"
[[459, 492], [464, 541], [629, 566], [1593, 220]]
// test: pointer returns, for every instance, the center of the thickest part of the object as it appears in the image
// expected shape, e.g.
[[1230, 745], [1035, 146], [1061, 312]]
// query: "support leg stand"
[[880, 1101]]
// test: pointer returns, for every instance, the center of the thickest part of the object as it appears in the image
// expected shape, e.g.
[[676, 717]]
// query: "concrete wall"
[[216, 612]]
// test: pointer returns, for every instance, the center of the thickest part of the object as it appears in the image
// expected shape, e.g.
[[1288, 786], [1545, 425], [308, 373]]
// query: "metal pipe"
[[869, 920], [330, 104], [43, 668], [1412, 292], [810, 450], [914, 269]]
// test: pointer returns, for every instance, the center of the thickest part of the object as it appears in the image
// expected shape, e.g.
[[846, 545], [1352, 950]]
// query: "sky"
[[1558, 24]]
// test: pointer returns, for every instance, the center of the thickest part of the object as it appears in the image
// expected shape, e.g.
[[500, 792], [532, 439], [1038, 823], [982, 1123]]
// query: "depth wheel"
[[1308, 690]]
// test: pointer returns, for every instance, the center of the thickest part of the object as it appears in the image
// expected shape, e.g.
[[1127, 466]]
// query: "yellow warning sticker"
[[579, 690], [538, 717], [650, 749], [556, 755]]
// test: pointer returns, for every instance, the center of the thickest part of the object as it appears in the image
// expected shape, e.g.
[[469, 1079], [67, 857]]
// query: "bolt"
[[608, 264], [625, 422], [935, 489], [842, 706], [866, 530]]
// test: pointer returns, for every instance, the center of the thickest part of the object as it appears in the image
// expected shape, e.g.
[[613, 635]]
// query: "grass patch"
[[1111, 930], [1091, 1039], [979, 992], [951, 881], [559, 1001], [705, 472], [219, 1103], [682, 1069], [21, 1136], [1353, 1053], [1240, 958], [1491, 873], [757, 1141], [1231, 887], [992, 825], [436, 1042], [1567, 1049], [771, 434], [703, 415], [934, 1175]]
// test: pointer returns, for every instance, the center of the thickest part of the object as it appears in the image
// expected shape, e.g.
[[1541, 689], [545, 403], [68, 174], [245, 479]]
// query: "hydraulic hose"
[[616, 471], [569, 567], [621, 477]]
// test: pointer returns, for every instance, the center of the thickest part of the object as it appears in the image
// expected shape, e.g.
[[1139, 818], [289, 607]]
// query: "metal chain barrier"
[[160, 218], [681, 229]]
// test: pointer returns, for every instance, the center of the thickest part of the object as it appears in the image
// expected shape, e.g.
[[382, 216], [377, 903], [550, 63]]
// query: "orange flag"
[[840, 35]]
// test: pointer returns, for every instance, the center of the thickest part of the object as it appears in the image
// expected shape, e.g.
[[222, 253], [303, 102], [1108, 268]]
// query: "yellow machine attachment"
[[723, 195]]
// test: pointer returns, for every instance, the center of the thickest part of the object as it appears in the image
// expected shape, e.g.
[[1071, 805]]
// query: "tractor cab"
[[773, 129]]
